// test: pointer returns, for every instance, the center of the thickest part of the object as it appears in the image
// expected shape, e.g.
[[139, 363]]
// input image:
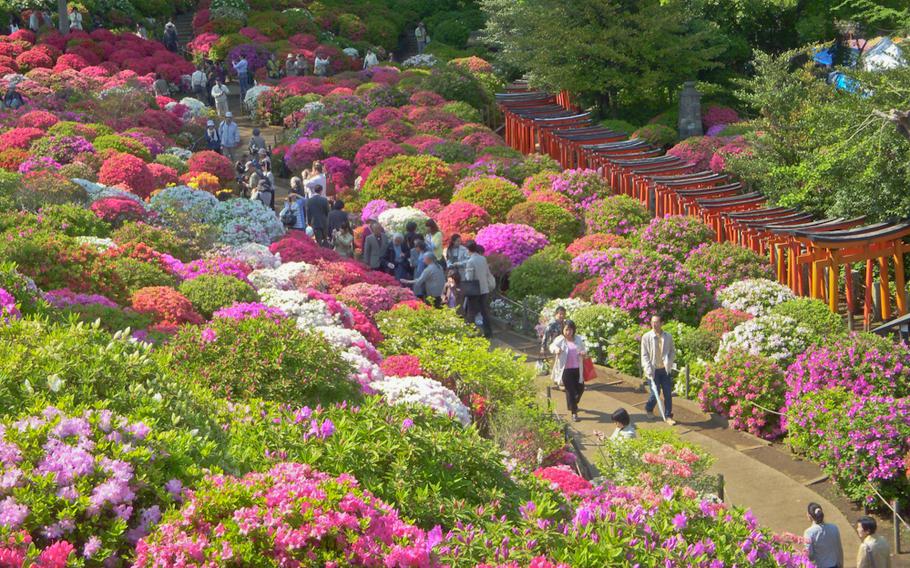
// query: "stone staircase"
[[184, 23]]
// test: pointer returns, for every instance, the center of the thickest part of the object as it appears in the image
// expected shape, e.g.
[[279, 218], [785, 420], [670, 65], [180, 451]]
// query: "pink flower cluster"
[[240, 311], [517, 242], [564, 479]]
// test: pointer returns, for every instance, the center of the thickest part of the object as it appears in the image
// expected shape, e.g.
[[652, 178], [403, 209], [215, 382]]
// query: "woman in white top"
[[456, 255], [569, 349], [75, 17]]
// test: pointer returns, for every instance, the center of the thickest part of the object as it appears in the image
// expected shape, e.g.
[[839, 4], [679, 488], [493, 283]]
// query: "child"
[[625, 430], [451, 294]]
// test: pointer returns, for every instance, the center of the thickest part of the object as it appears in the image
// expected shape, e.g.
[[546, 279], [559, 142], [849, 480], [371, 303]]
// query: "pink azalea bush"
[[257, 519], [583, 187], [563, 479], [370, 298], [675, 235], [517, 242], [717, 115], [462, 218], [303, 153]]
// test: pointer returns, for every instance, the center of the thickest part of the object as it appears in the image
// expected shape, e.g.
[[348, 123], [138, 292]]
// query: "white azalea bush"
[[754, 296], [256, 255], [570, 304], [425, 60], [183, 203], [244, 221], [98, 243], [98, 191], [779, 338], [281, 277], [196, 108], [426, 392], [396, 219]]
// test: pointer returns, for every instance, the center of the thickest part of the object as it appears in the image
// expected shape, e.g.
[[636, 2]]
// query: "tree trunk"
[[63, 22]]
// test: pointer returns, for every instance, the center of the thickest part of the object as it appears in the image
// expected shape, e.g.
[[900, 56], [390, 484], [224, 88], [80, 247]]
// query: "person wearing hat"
[[170, 37], [220, 93], [230, 135], [251, 177], [212, 138], [290, 66]]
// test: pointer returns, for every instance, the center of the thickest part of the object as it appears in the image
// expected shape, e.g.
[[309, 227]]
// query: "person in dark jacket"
[[338, 217], [317, 213], [410, 233], [212, 138], [398, 258]]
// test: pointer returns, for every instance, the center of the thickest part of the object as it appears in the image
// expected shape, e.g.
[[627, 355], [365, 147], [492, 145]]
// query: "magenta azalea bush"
[[291, 515], [517, 242], [583, 187], [675, 235], [646, 284], [717, 265], [303, 153]]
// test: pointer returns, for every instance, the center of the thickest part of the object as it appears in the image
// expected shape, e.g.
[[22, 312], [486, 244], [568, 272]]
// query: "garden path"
[[770, 481]]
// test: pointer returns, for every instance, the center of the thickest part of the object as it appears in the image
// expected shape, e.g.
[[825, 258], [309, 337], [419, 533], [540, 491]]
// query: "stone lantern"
[[689, 111]]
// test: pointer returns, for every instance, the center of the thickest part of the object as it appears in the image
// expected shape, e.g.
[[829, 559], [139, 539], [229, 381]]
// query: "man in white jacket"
[[657, 357]]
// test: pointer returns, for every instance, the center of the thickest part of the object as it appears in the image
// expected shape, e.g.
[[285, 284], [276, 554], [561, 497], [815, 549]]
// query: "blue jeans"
[[244, 85], [664, 385]]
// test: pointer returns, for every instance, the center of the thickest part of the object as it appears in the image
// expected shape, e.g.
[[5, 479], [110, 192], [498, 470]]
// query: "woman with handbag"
[[570, 350]]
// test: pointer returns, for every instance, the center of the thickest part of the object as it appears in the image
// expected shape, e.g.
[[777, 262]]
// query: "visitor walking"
[[375, 246], [34, 21], [420, 34], [230, 135], [625, 430], [456, 254], [874, 551], [75, 19], [290, 66], [317, 215], [477, 283], [220, 94], [432, 280], [170, 37], [569, 348], [291, 215], [13, 98], [657, 357], [257, 143], [370, 60], [264, 193], [338, 217], [552, 331], [343, 240], [823, 544], [242, 68], [162, 89]]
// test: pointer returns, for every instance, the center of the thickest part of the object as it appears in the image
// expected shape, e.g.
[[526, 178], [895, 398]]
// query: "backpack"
[[288, 217]]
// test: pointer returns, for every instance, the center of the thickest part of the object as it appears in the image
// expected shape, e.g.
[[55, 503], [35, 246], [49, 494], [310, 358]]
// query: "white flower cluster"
[[755, 296], [351, 51], [308, 313], [426, 60], [396, 219], [245, 220], [426, 392], [196, 108], [181, 153], [780, 338], [256, 255], [281, 277], [196, 203], [314, 107], [252, 95], [570, 304], [97, 243]]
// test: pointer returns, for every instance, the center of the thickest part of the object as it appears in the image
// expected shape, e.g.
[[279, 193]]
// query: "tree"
[[612, 52]]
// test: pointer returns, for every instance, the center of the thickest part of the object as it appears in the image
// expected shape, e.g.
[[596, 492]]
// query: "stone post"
[[689, 111]]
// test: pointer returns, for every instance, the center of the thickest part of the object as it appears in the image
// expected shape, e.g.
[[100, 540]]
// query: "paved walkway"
[[758, 476]]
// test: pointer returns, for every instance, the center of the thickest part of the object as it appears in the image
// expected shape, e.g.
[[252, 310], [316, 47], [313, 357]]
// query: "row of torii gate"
[[814, 257]]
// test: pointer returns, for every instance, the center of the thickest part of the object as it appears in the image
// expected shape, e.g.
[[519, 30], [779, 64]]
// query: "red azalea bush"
[[432, 207], [212, 163], [118, 210], [382, 115], [550, 196], [166, 305], [163, 175], [718, 115], [301, 248], [563, 479], [365, 326], [482, 140], [462, 218], [408, 179], [303, 153], [596, 241], [37, 119], [374, 153], [396, 130], [585, 289], [12, 158], [722, 320], [370, 298], [426, 98], [129, 171], [402, 366], [698, 149], [20, 138]]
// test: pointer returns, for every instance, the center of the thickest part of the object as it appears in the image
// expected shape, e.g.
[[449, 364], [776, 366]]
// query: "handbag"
[[589, 372]]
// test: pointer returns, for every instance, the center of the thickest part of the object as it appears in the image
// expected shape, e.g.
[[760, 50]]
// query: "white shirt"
[[625, 433], [198, 78], [220, 91], [311, 183], [370, 60], [75, 20]]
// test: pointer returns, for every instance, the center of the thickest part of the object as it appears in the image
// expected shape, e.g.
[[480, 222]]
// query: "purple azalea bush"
[[517, 242]]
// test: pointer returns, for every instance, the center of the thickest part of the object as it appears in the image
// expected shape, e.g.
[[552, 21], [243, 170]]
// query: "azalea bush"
[[780, 338], [748, 389], [494, 195], [462, 218], [675, 235], [755, 296], [722, 320], [517, 242], [583, 187], [93, 479], [595, 242], [599, 325], [718, 265], [395, 220], [408, 179], [406, 330], [559, 225], [617, 215], [815, 315], [423, 391], [225, 519], [259, 357], [545, 273], [647, 284], [210, 292], [169, 307]]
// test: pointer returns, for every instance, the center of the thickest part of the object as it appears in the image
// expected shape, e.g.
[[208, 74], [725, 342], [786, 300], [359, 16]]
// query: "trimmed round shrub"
[[495, 195], [169, 307], [260, 358], [517, 242], [595, 242], [129, 171], [211, 292], [542, 181], [559, 225], [302, 153], [543, 274], [718, 265], [159, 238], [74, 221], [408, 179], [744, 388], [129, 275], [212, 163], [657, 134], [755, 296], [462, 218], [779, 338], [173, 162], [122, 144], [675, 235], [374, 153], [618, 215], [815, 315], [558, 199]]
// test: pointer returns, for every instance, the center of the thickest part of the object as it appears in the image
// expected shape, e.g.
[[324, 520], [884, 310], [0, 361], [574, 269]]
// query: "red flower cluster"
[[297, 247], [168, 306], [128, 171], [402, 366], [463, 218], [118, 210], [564, 480], [595, 241], [212, 163]]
